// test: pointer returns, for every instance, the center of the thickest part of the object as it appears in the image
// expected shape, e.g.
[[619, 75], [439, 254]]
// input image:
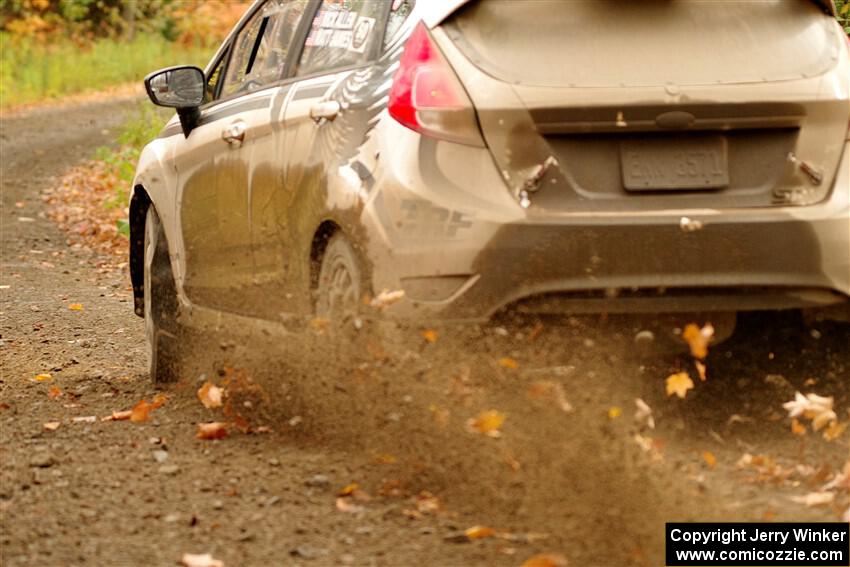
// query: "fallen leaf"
[[479, 532], [200, 560], [834, 431], [643, 414], [319, 323], [546, 560], [709, 459], [813, 499], [212, 430], [508, 362], [348, 489], [487, 422], [158, 401], [75, 306], [614, 412], [798, 428], [140, 412], [344, 504], [386, 298], [210, 395], [118, 416], [385, 459], [548, 388], [430, 335], [427, 503], [43, 377], [52, 425], [84, 419], [54, 392], [814, 407], [698, 339], [679, 384]]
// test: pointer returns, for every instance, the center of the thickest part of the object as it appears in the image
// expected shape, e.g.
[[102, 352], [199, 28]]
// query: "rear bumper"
[[467, 261]]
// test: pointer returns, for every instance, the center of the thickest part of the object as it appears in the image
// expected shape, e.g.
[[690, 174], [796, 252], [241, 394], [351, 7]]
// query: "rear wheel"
[[341, 284], [160, 303]]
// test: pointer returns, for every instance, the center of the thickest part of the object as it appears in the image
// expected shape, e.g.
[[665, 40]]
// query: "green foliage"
[[843, 7], [31, 71], [136, 132]]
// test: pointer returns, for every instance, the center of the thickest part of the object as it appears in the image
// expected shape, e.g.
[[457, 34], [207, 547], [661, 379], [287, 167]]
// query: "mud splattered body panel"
[[651, 188]]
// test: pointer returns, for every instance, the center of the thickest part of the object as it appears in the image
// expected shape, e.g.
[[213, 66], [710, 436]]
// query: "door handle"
[[234, 134], [325, 110]]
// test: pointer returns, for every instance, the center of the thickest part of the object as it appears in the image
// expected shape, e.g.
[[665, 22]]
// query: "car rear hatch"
[[598, 105]]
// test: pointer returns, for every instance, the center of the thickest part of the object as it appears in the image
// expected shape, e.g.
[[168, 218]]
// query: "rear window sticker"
[[340, 39], [362, 31], [346, 20], [329, 18]]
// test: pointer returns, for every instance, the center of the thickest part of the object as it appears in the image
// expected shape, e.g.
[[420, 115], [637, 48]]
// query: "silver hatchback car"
[[491, 155]]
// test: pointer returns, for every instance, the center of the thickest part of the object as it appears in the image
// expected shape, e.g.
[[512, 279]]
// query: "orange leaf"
[[212, 430], [798, 428], [614, 412], [210, 395], [478, 532], [158, 401], [679, 384], [140, 412], [75, 306], [54, 392], [508, 362], [430, 335], [698, 339], [487, 422], [118, 416], [709, 459], [834, 431], [546, 560], [348, 489]]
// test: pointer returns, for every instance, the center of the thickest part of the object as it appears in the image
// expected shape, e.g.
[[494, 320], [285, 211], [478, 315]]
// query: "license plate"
[[664, 164]]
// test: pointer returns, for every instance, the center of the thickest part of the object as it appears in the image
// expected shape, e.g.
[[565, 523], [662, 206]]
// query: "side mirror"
[[180, 87]]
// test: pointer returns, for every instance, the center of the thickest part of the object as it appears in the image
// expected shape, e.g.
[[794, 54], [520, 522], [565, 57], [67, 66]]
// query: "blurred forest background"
[[52, 48]]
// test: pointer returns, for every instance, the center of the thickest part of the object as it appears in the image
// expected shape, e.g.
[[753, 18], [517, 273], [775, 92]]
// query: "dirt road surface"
[[571, 471]]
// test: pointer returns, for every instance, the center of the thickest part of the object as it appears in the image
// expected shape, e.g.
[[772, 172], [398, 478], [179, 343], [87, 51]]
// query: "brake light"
[[427, 97]]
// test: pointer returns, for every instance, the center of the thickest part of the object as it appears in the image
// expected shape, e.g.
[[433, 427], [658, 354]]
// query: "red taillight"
[[427, 96]]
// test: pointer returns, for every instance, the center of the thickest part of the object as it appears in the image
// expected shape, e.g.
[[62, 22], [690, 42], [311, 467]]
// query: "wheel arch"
[[319, 243]]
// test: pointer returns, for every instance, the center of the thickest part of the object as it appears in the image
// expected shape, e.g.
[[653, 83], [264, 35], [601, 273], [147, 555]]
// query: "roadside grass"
[[89, 203], [31, 71]]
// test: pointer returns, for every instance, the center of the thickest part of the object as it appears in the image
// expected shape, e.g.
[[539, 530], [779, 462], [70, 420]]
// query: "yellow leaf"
[[430, 335], [210, 395], [348, 489], [43, 377], [75, 306], [478, 532], [798, 428], [679, 384], [385, 459], [614, 412], [508, 362], [709, 459], [487, 422]]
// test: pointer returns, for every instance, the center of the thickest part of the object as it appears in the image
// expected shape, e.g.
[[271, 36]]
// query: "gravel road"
[[573, 472]]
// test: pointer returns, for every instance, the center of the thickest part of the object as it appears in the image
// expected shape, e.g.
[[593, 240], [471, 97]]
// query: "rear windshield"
[[604, 43]]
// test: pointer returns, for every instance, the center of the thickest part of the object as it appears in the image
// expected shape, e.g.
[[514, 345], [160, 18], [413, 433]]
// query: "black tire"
[[341, 284], [160, 295]]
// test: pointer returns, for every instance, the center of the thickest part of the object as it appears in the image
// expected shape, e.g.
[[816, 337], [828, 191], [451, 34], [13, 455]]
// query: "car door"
[[289, 181], [213, 166]]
